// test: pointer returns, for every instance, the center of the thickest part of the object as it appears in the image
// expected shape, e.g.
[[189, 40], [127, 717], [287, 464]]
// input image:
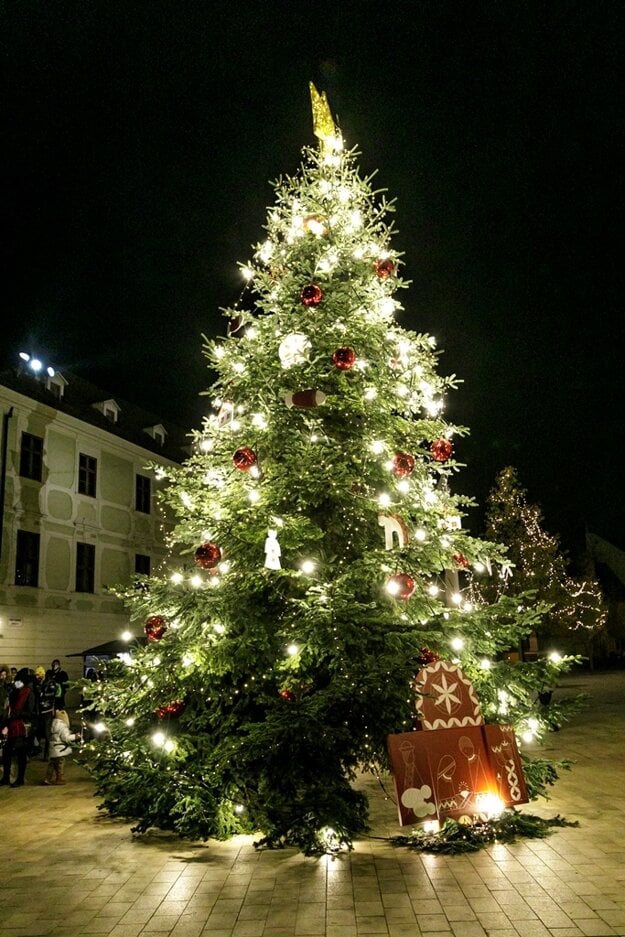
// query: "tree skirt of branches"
[[454, 837]]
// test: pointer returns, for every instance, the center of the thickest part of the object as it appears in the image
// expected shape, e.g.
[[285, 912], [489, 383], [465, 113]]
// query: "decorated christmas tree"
[[577, 611], [318, 559]]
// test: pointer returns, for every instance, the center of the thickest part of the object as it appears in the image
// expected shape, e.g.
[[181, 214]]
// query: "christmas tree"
[[317, 558], [577, 612]]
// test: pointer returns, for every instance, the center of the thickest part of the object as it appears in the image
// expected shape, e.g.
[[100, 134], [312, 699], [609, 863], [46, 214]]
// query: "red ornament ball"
[[288, 695], [155, 627], [384, 268], [311, 295], [403, 464], [207, 556], [344, 358], [244, 458], [401, 586], [460, 560], [171, 710], [426, 656], [441, 449]]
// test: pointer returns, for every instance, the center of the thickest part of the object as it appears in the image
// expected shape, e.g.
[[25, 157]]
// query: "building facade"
[[79, 513]]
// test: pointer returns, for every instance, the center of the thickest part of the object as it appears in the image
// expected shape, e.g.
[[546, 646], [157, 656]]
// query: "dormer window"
[[56, 384], [109, 408], [157, 433]]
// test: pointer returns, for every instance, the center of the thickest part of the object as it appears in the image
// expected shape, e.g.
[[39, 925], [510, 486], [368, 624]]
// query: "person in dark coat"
[[6, 682], [61, 677], [17, 726], [48, 692]]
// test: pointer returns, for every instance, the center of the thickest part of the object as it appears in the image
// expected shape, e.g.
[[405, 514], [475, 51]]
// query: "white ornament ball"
[[294, 349]]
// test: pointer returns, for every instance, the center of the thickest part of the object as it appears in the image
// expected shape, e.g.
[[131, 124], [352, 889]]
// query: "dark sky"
[[139, 140]]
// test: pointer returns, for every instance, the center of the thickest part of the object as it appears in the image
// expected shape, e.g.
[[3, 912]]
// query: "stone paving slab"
[[69, 871]]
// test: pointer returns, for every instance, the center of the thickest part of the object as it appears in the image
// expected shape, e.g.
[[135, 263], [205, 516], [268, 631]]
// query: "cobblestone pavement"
[[68, 871]]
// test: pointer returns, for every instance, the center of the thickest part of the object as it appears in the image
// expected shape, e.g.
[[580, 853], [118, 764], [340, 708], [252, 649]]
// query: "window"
[[87, 474], [142, 564], [109, 409], [142, 494], [27, 559], [85, 567], [31, 456], [56, 385], [157, 433]]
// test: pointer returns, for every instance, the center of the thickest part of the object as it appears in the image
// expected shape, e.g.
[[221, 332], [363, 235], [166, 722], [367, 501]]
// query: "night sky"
[[139, 141]]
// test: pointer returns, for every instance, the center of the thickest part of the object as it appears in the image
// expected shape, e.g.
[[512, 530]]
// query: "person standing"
[[60, 748], [61, 677], [17, 726], [6, 682], [49, 695]]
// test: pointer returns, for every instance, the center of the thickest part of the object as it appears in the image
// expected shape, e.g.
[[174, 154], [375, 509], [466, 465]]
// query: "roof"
[[110, 648], [78, 400]]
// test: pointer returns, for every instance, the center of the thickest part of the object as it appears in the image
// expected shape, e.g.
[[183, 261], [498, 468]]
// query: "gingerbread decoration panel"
[[446, 698]]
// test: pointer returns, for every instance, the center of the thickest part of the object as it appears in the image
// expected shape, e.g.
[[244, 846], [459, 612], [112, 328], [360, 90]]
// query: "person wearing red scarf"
[[16, 727]]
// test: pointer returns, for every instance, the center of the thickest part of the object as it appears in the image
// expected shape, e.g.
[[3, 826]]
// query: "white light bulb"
[[457, 644], [308, 567]]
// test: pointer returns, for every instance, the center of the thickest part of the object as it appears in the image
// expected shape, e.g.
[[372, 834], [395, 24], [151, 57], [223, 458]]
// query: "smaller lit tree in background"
[[576, 609]]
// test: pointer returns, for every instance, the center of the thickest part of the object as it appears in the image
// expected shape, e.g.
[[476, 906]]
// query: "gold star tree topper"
[[323, 124]]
